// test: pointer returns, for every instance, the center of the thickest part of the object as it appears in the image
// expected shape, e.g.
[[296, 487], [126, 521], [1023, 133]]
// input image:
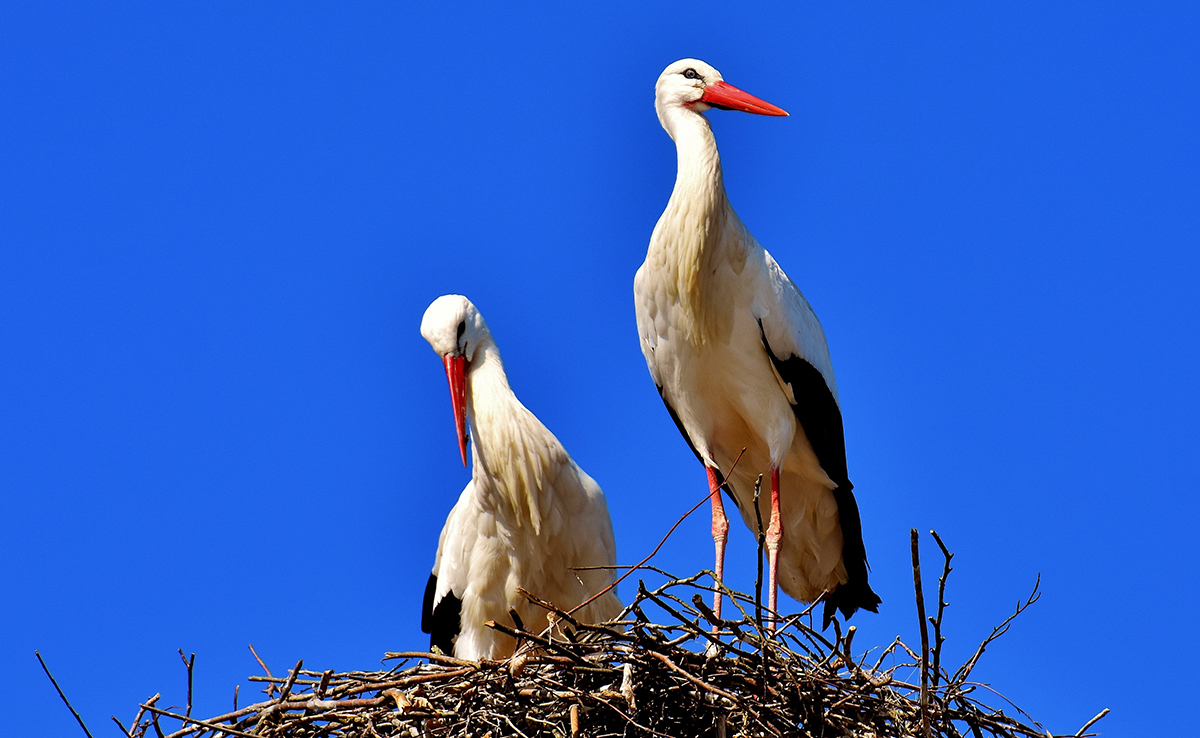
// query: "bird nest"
[[666, 667]]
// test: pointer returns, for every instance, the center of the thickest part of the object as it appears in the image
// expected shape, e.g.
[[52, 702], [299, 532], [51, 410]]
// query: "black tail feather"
[[855, 592], [441, 620]]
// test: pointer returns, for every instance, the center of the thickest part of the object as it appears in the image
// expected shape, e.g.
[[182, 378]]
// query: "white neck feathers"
[[514, 455], [698, 228]]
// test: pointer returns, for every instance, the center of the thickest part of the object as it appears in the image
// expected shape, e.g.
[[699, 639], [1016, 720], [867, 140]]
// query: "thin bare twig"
[[762, 539], [122, 727], [202, 723], [938, 638], [639, 564], [965, 670], [259, 660], [291, 682], [916, 567], [1090, 723], [63, 696], [189, 663]]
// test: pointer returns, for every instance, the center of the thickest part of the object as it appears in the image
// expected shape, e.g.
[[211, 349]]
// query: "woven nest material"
[[666, 667]]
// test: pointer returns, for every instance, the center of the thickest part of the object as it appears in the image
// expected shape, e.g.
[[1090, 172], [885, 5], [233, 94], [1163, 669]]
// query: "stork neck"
[[510, 450], [698, 178], [488, 392], [698, 229]]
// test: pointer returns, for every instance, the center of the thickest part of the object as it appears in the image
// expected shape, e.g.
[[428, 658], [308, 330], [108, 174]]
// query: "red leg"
[[720, 533], [774, 534]]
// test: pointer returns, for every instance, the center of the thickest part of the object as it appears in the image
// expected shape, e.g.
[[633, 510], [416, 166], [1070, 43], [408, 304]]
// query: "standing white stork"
[[528, 515], [740, 360]]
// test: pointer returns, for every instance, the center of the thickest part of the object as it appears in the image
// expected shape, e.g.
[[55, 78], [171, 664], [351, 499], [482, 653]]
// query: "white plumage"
[[528, 515], [740, 360]]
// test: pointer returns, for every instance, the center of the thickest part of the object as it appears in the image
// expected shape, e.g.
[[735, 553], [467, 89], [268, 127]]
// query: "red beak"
[[727, 97], [456, 372]]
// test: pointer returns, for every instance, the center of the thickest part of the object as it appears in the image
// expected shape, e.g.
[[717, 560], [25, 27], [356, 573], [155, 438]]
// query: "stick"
[[938, 638], [1090, 723], [189, 664], [762, 539], [63, 696], [612, 586], [137, 719], [924, 697], [260, 661], [964, 671], [202, 723], [291, 682], [121, 725], [324, 685], [696, 680], [432, 657]]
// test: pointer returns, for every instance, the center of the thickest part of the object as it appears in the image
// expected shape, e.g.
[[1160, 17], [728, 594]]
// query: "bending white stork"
[[740, 360], [528, 515]]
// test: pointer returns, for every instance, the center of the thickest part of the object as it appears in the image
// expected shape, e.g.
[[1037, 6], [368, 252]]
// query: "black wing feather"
[[443, 621], [818, 414]]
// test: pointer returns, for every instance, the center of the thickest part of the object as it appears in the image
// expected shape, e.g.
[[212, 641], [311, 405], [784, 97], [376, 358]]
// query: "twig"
[[762, 539], [965, 670], [63, 696], [324, 685], [270, 687], [291, 682], [122, 727], [916, 566], [432, 657], [202, 723], [259, 660], [544, 642], [1090, 723], [137, 719], [696, 680], [938, 638], [638, 565], [189, 664]]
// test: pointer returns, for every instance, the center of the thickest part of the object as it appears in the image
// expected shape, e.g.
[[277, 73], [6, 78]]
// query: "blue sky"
[[220, 225]]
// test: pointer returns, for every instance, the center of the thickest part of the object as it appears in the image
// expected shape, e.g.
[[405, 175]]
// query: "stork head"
[[694, 85], [455, 329]]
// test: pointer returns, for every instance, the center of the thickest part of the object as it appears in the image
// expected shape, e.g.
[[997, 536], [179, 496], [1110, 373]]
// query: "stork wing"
[[793, 338], [795, 342], [788, 322], [652, 323], [648, 318]]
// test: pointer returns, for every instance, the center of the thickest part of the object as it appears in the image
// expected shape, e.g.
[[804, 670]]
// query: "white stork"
[[528, 515], [740, 360]]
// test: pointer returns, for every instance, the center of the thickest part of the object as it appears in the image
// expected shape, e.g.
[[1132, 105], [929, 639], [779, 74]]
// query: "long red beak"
[[456, 372], [727, 97]]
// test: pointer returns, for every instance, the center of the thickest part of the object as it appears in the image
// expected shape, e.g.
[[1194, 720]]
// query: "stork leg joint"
[[720, 533]]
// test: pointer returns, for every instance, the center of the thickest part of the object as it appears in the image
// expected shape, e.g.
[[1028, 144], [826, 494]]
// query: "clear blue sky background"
[[219, 227]]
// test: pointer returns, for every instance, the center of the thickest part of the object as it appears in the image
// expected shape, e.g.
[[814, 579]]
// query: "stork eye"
[[462, 327], [690, 73]]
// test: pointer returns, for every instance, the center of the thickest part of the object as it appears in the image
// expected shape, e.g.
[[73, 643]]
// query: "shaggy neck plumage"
[[504, 435], [692, 234]]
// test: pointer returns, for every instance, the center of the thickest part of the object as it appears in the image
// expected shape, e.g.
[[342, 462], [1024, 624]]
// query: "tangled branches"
[[666, 667]]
